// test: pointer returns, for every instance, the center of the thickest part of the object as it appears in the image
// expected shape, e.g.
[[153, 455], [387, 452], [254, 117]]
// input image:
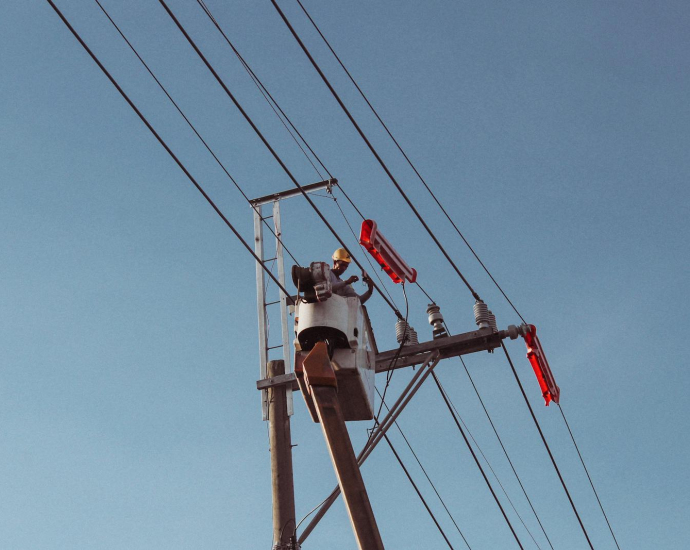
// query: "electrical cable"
[[282, 529], [419, 494], [548, 449], [165, 146], [481, 452], [373, 151], [373, 269], [266, 143], [363, 218], [279, 111], [476, 460], [171, 153], [389, 374], [314, 509], [351, 202], [267, 96], [414, 168], [274, 105], [425, 293], [189, 123], [505, 452], [409, 446], [588, 476]]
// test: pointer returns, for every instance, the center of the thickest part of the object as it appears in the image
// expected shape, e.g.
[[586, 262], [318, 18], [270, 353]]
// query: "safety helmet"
[[342, 255]]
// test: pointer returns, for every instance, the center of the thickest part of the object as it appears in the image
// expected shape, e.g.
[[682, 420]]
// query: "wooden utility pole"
[[281, 462]]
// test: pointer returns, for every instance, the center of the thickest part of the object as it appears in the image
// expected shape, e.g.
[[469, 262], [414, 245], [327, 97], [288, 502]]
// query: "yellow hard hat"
[[342, 255]]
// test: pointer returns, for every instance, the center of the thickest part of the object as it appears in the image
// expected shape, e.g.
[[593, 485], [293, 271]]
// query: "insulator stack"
[[436, 321], [404, 332], [481, 315], [492, 322]]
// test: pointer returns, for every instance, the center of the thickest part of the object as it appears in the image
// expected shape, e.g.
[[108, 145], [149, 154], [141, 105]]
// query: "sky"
[[556, 135]]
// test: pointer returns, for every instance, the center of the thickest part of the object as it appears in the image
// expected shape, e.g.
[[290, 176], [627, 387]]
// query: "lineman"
[[341, 261]]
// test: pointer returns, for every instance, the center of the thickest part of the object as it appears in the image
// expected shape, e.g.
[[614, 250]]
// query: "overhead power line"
[[165, 145], [419, 494], [230, 225], [474, 456], [189, 123], [505, 451], [280, 113], [354, 235], [433, 486], [267, 144], [548, 449], [285, 120], [292, 130], [407, 158], [481, 452], [560, 408], [373, 150]]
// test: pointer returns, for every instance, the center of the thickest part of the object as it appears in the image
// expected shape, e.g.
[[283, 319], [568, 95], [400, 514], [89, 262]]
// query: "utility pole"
[[276, 397], [284, 525]]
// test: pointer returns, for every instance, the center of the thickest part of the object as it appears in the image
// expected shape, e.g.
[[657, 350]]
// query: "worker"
[[341, 261]]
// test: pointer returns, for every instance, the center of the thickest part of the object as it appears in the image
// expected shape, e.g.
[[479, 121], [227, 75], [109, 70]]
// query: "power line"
[[491, 467], [389, 374], [373, 151], [189, 123], [373, 269], [419, 494], [363, 218], [476, 460], [505, 452], [548, 449], [395, 141], [414, 168], [588, 476], [198, 186], [265, 142], [409, 446], [267, 96], [165, 145], [280, 113]]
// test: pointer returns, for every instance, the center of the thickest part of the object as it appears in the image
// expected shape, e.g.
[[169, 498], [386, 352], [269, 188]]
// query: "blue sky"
[[556, 135]]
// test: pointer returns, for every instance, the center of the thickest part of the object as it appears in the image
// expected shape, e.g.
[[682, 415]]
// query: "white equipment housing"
[[344, 324]]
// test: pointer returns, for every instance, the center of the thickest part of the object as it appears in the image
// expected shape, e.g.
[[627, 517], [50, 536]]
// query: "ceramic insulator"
[[403, 331], [492, 322], [481, 315]]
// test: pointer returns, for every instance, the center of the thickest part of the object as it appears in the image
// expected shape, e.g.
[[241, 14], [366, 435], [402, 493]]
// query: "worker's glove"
[[352, 279], [367, 280]]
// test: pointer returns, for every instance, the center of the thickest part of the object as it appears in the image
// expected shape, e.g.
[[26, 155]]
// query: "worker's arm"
[[338, 285], [343, 288], [364, 297]]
